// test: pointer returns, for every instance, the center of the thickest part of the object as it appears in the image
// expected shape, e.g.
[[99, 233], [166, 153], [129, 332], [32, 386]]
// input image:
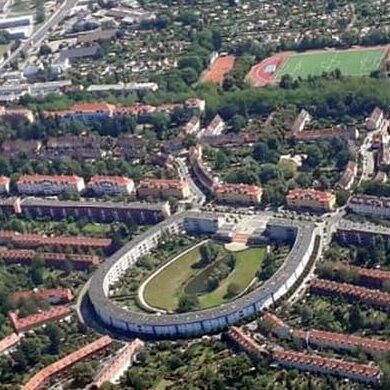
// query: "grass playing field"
[[350, 62]]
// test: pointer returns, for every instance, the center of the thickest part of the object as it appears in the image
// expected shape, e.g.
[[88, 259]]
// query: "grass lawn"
[[247, 264], [350, 62], [164, 290]]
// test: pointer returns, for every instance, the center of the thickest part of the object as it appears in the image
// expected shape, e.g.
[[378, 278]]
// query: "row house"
[[49, 185], [4, 185], [163, 189], [350, 233], [215, 127], [9, 342], [42, 378], [52, 296], [348, 177], [241, 194], [370, 205], [246, 343], [55, 260], [351, 292], [311, 199], [12, 148], [85, 147], [277, 326], [104, 212], [301, 121], [338, 341], [37, 240], [323, 134], [84, 112], [133, 146], [375, 120], [16, 114], [33, 321], [328, 366], [230, 140], [110, 185], [203, 174], [116, 366], [192, 126]]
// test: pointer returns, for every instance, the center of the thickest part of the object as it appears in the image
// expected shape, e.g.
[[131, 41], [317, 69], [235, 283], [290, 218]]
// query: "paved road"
[[36, 39], [198, 196]]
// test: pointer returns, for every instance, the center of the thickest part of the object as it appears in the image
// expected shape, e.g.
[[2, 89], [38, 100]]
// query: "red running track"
[[258, 75]]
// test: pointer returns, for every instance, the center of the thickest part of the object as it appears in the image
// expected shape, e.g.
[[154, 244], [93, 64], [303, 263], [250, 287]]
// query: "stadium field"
[[350, 62]]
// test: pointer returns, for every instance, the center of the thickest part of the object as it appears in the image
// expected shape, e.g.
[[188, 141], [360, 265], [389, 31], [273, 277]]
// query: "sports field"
[[350, 62]]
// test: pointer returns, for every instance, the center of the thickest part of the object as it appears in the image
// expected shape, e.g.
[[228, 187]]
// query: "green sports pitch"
[[350, 62]]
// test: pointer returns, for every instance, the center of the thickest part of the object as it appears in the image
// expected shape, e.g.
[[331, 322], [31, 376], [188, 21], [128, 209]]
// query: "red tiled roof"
[[25, 255], [117, 180], [162, 183], [9, 341], [243, 189], [343, 341], [333, 365], [118, 363], [61, 294], [311, 194], [32, 179], [39, 380], [244, 341], [273, 320], [367, 295], [32, 321], [34, 240]]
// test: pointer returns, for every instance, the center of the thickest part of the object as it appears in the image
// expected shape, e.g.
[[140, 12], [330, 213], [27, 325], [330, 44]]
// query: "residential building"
[[78, 53], [133, 146], [230, 140], [238, 194], [121, 87], [9, 341], [203, 224], [163, 189], [196, 104], [328, 133], [17, 113], [215, 127], [20, 240], [116, 366], [246, 343], [111, 185], [11, 148], [311, 199], [338, 341], [350, 292], [96, 36], [52, 296], [328, 366], [85, 112], [41, 379], [375, 120], [49, 185], [351, 233], [55, 260], [19, 27], [4, 184], [277, 326], [32, 321], [192, 126], [104, 212], [348, 177], [370, 205], [301, 121]]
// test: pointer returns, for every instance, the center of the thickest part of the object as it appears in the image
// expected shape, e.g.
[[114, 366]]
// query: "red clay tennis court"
[[265, 72], [219, 69]]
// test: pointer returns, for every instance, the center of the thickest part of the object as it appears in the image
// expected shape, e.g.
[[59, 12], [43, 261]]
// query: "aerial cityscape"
[[194, 195]]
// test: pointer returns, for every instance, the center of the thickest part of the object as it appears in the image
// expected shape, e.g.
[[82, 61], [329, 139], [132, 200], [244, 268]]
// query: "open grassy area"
[[164, 290], [350, 62], [247, 264]]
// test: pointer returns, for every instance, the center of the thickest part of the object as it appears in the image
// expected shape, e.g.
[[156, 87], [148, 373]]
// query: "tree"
[[53, 332], [208, 254], [232, 290], [356, 319], [222, 160], [187, 303], [83, 374], [45, 50]]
